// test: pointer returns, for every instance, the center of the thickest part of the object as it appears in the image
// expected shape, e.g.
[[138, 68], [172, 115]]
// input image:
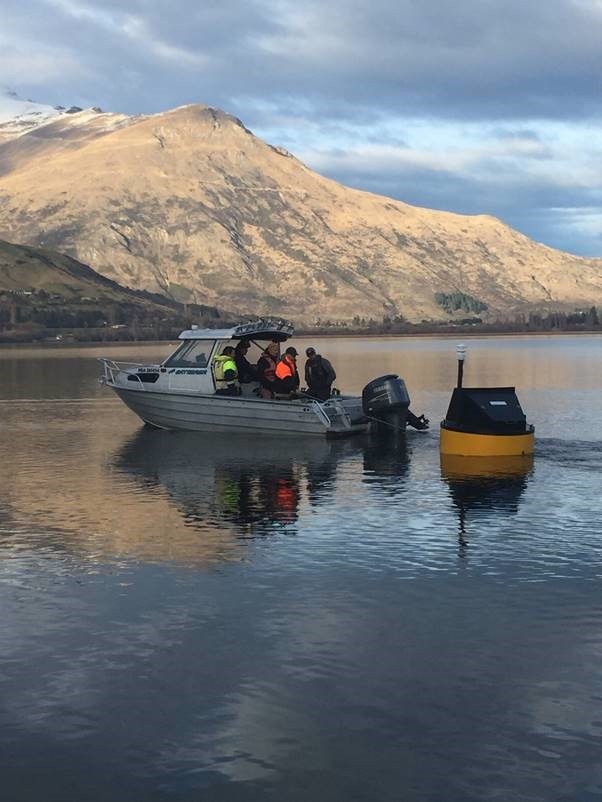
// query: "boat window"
[[191, 354]]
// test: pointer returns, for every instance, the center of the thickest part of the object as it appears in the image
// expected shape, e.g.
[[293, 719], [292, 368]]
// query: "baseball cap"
[[310, 351]]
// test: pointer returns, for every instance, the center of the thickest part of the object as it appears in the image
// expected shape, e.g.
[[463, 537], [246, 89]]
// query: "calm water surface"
[[190, 618]]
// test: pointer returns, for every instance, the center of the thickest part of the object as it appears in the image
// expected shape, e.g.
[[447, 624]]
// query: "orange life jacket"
[[286, 367]]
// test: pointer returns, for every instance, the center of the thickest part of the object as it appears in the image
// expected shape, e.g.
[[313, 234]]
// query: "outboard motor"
[[386, 401]]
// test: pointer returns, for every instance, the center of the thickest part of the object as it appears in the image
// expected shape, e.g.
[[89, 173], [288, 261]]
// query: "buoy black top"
[[486, 410]]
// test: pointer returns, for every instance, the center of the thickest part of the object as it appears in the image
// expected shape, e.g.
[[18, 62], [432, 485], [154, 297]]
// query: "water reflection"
[[388, 458], [186, 498], [254, 486], [482, 485], [248, 484]]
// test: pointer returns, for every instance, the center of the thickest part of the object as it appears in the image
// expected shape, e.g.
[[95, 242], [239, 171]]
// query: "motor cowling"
[[384, 396]]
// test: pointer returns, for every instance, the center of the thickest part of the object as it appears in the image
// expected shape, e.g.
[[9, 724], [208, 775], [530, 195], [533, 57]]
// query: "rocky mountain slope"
[[54, 284], [25, 269], [190, 204]]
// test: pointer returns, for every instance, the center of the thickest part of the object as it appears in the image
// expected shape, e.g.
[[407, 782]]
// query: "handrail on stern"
[[319, 410]]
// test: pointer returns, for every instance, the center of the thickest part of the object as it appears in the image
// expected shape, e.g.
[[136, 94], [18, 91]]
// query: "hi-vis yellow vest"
[[221, 364]]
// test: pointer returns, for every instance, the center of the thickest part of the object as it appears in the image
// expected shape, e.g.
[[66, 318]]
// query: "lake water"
[[186, 617]]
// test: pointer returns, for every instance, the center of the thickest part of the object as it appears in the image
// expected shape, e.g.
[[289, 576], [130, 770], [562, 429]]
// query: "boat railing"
[[319, 410], [112, 368], [342, 414]]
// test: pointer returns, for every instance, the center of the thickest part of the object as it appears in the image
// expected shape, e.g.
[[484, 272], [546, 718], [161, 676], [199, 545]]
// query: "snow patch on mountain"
[[102, 121], [12, 106], [18, 116]]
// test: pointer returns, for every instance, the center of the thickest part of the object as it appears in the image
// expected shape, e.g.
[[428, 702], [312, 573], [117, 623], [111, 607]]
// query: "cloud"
[[132, 28], [482, 60], [470, 59], [27, 62], [534, 179]]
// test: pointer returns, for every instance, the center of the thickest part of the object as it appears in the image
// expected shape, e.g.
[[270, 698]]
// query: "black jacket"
[[246, 371], [319, 372]]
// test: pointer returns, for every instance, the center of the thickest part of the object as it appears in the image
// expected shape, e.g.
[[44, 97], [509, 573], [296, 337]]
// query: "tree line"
[[577, 320]]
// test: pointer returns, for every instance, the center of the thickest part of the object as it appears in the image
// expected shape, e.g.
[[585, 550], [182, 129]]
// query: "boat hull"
[[196, 412]]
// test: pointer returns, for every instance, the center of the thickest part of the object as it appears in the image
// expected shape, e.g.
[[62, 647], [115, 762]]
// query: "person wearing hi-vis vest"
[[226, 375], [287, 375]]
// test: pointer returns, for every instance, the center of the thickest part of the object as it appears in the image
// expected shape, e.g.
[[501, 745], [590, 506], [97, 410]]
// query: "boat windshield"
[[191, 354]]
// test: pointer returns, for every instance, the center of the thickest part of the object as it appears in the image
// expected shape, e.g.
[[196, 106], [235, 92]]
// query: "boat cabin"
[[189, 367]]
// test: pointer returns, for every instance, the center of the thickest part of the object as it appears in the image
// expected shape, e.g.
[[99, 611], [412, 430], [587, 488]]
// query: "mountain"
[[55, 291], [191, 204], [24, 269]]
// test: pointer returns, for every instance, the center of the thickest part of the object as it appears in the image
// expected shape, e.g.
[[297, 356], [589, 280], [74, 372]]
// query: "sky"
[[473, 106]]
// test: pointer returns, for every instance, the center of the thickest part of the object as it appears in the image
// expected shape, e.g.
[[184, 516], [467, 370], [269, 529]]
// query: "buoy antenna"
[[461, 352]]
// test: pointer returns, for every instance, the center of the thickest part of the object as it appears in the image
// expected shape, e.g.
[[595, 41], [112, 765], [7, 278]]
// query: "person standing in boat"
[[246, 371], [319, 375], [266, 369], [225, 372], [287, 375]]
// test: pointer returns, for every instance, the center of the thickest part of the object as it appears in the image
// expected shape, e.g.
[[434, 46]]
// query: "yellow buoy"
[[471, 444], [485, 421]]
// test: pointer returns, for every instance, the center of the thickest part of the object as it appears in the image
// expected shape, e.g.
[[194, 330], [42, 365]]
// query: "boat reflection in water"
[[238, 483], [482, 485], [237, 489]]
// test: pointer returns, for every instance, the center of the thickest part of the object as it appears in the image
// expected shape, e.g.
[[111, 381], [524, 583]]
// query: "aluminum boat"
[[180, 392]]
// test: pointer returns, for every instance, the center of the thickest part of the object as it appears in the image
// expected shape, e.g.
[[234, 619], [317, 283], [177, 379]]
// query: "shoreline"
[[68, 344]]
